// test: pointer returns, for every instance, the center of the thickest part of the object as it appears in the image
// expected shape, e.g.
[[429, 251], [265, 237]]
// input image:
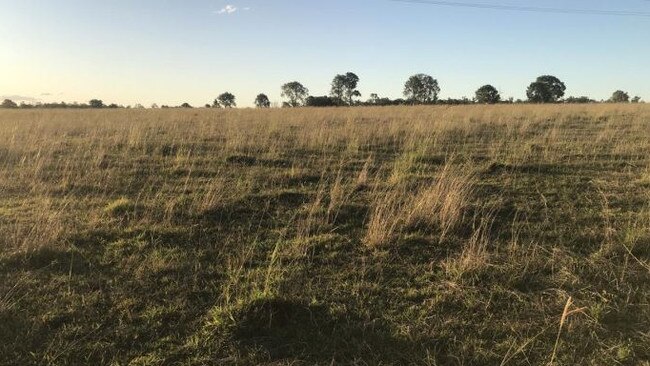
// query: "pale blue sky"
[[173, 51]]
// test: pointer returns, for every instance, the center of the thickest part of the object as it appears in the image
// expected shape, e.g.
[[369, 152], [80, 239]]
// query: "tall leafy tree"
[[296, 93], [620, 96], [487, 94], [344, 88], [262, 101], [546, 89], [539, 92], [422, 89], [555, 85], [226, 100]]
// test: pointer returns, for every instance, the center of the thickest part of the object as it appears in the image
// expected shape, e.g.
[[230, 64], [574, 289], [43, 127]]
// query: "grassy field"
[[500, 235]]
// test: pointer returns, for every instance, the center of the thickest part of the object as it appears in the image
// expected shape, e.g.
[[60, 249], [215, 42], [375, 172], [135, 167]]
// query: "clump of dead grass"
[[434, 206]]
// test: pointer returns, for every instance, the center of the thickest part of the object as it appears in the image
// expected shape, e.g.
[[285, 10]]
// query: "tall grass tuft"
[[437, 206], [442, 204]]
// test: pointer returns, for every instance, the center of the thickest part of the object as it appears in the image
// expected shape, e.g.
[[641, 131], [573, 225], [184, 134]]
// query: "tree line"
[[419, 89]]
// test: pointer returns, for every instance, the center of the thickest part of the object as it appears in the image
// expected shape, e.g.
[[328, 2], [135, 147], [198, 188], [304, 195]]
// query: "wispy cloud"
[[228, 9]]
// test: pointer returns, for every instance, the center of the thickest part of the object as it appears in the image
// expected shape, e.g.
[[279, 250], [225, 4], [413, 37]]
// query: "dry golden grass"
[[437, 205], [189, 236]]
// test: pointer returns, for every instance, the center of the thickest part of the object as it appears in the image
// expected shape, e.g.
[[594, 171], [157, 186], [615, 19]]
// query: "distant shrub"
[[323, 101], [375, 100], [8, 103], [579, 100], [96, 103]]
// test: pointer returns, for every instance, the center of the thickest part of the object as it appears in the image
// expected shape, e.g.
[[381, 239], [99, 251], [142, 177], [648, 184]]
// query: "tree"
[[421, 89], [539, 92], [296, 93], [636, 99], [546, 89], [344, 88], [487, 94], [154, 106], [554, 84], [620, 96], [8, 103], [186, 105], [226, 100], [96, 103], [262, 101]]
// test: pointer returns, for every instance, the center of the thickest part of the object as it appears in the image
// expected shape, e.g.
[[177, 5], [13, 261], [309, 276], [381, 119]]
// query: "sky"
[[176, 51]]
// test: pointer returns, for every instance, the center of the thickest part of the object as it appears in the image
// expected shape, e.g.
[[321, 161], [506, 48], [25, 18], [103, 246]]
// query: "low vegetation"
[[430, 235]]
